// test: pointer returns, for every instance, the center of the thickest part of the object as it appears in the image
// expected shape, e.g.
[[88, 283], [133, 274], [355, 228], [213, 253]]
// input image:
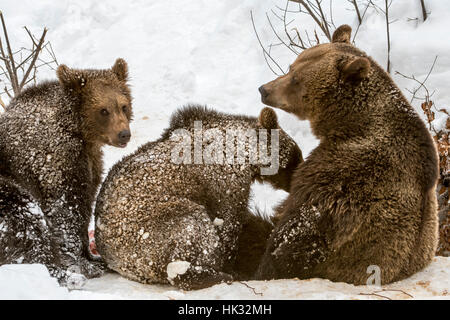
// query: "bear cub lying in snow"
[[172, 213], [366, 195], [51, 164]]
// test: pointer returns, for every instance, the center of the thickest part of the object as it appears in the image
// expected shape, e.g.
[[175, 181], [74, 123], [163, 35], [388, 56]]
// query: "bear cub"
[[51, 164], [164, 219]]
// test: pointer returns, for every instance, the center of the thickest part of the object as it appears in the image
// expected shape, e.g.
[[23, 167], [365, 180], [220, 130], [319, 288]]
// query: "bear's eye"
[[104, 112], [124, 108]]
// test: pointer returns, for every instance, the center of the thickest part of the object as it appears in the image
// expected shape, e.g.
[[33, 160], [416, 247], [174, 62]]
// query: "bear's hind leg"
[[295, 248], [196, 277], [195, 260], [24, 234]]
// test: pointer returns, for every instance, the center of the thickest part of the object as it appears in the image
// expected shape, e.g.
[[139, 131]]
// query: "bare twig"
[[317, 15], [399, 290], [2, 104], [251, 288], [324, 20], [266, 54], [358, 14], [33, 61], [424, 10], [420, 83], [362, 19], [20, 66], [388, 35], [289, 46], [8, 58], [374, 294]]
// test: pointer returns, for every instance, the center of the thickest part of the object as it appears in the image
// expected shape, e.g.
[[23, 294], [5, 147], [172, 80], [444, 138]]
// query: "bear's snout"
[[263, 91], [124, 136], [264, 94]]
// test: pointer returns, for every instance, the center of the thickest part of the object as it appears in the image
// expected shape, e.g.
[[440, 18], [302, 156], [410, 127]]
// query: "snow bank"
[[34, 282]]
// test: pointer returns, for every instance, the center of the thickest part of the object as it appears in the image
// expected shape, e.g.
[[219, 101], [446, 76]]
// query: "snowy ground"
[[33, 282], [205, 51]]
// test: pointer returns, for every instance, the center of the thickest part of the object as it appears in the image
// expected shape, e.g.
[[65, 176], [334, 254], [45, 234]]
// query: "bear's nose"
[[124, 136], [263, 91]]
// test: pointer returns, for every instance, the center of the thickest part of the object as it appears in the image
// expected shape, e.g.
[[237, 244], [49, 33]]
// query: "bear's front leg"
[[295, 248], [228, 223], [24, 236], [68, 218]]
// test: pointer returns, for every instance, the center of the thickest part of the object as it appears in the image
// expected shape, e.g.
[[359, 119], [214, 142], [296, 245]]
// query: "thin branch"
[[7, 92], [2, 104], [321, 21], [398, 290], [421, 83], [324, 20], [358, 14], [266, 54], [23, 62], [291, 41], [30, 67], [251, 288], [386, 12], [9, 63], [424, 11], [331, 14], [374, 294], [279, 38], [362, 19]]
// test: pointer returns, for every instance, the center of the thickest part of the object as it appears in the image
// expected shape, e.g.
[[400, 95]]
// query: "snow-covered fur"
[[364, 199], [51, 166], [159, 222]]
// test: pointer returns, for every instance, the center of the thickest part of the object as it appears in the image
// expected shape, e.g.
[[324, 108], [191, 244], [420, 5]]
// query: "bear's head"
[[320, 79], [103, 101], [289, 154]]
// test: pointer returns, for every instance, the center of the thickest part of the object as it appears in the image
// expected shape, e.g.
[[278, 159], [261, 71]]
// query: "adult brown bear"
[[366, 195]]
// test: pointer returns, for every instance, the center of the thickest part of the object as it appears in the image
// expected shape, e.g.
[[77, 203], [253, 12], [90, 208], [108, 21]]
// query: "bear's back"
[[153, 166], [39, 134]]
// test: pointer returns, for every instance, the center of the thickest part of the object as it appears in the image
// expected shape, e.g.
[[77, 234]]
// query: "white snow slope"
[[205, 51]]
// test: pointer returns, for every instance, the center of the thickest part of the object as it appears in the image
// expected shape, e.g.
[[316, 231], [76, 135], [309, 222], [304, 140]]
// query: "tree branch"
[[321, 21], [424, 11], [388, 35], [10, 65], [33, 61]]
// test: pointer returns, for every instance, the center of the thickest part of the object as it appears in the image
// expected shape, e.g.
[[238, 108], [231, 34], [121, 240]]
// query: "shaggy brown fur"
[[51, 164], [158, 221], [251, 246], [366, 195]]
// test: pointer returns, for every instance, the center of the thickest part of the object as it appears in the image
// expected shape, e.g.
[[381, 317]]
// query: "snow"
[[218, 222], [34, 282], [206, 52], [177, 268]]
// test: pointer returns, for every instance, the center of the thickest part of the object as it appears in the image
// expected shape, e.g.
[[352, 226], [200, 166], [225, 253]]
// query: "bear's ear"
[[342, 34], [69, 78], [120, 69], [356, 69], [268, 119]]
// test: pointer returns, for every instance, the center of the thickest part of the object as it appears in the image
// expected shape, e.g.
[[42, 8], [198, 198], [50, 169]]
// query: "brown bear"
[[160, 219], [51, 164], [364, 199], [252, 242]]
